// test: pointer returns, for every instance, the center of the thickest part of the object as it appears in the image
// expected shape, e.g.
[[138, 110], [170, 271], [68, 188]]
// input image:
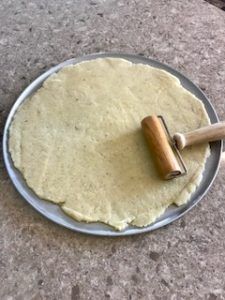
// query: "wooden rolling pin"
[[161, 145]]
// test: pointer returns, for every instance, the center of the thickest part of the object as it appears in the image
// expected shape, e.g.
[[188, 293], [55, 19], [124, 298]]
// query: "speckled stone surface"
[[40, 260]]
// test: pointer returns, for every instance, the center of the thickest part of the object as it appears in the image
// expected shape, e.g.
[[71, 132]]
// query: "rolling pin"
[[166, 149]]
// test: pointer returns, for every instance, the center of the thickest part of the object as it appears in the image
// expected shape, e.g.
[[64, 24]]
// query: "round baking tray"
[[53, 211]]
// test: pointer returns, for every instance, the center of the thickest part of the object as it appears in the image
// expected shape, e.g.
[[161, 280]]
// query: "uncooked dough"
[[78, 141]]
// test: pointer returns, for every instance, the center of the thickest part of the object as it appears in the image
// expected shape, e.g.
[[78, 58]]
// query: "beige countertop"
[[41, 260]]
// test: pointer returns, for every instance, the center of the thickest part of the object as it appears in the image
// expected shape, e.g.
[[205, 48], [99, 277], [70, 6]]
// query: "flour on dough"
[[78, 141]]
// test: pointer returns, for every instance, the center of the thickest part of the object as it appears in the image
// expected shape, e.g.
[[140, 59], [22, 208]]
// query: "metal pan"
[[53, 211]]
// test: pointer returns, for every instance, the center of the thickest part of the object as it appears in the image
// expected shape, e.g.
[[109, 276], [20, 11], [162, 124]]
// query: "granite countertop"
[[41, 260]]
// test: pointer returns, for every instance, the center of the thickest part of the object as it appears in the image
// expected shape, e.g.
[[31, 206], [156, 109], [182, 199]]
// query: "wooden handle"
[[210, 133], [160, 147]]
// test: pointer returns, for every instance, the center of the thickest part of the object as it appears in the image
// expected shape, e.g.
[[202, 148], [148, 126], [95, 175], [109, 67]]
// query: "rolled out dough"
[[78, 141]]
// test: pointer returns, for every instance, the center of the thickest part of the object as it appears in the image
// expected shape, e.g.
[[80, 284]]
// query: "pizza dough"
[[78, 141]]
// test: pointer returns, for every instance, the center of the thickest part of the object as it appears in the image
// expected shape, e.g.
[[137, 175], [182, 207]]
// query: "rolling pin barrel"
[[159, 145]]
